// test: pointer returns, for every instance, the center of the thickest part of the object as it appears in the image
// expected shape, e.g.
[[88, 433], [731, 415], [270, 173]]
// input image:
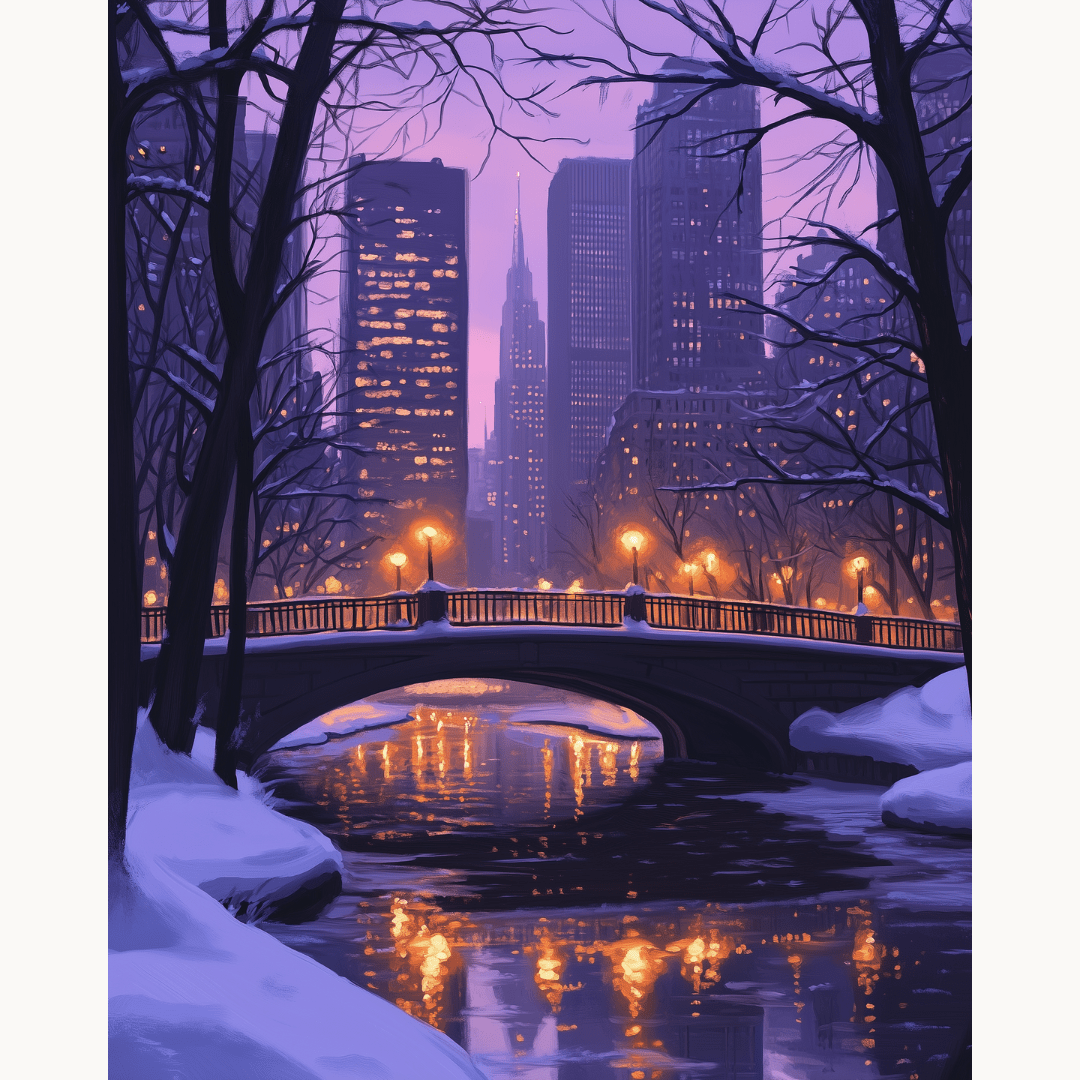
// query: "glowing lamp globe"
[[398, 559], [860, 563], [430, 532], [632, 539]]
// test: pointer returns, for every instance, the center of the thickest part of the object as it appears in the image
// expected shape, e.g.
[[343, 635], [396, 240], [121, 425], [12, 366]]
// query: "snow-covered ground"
[[195, 993], [928, 728], [596, 716], [938, 799], [359, 716]]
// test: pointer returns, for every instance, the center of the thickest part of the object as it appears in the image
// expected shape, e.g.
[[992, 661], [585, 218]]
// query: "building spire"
[[518, 258]]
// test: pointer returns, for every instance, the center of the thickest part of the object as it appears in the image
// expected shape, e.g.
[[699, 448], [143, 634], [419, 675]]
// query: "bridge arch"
[[720, 697]]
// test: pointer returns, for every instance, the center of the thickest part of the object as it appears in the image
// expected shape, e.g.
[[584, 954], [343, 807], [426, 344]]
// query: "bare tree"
[[867, 92], [582, 541], [311, 60]]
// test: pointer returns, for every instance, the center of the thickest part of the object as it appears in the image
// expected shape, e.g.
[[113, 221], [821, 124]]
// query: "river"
[[568, 905]]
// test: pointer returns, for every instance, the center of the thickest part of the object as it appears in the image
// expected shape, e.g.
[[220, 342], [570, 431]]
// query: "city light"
[[860, 564], [688, 569], [429, 533], [397, 560], [633, 541]]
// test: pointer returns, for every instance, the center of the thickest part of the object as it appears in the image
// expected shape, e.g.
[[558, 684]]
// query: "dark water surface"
[[569, 906]]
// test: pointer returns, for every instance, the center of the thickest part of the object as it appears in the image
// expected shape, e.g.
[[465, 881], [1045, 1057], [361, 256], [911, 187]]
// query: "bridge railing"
[[275, 617], [747, 617], [513, 607], [501, 607]]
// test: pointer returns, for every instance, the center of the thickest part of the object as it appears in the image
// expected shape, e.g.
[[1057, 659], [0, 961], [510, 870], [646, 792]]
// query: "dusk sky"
[[604, 131]]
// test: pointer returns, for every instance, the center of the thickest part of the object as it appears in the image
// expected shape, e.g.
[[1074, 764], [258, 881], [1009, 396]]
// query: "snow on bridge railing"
[[523, 607], [396, 612]]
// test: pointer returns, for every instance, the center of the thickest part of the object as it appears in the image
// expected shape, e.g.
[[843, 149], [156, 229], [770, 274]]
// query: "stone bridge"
[[713, 696]]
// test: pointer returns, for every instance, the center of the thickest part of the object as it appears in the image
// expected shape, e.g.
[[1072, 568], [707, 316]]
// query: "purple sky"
[[605, 130]]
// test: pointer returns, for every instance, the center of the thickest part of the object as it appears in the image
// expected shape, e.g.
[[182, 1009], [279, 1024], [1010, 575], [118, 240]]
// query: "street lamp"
[[430, 534], [632, 540], [398, 559], [860, 564], [689, 568]]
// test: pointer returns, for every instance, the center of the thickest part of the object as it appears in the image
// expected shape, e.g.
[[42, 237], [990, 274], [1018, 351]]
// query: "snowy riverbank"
[[928, 728], [194, 992]]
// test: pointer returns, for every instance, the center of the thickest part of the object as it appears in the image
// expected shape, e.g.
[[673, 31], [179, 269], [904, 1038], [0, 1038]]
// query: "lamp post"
[[688, 568], [398, 559], [430, 534], [633, 540], [860, 564]]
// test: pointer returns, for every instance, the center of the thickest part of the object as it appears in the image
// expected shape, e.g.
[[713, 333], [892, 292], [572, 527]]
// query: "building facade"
[[588, 360], [521, 518], [696, 244], [404, 335]]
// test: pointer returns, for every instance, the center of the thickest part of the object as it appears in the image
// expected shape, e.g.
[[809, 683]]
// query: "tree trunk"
[[946, 358], [195, 564], [228, 718], [124, 566]]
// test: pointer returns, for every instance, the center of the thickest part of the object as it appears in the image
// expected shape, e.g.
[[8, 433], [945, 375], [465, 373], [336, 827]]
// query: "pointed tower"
[[520, 534]]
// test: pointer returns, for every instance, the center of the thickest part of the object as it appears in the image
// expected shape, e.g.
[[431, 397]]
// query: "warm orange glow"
[[576, 586], [221, 591], [688, 568], [710, 562], [860, 563], [632, 539], [332, 584], [149, 598], [636, 965], [398, 559], [543, 584], [787, 572]]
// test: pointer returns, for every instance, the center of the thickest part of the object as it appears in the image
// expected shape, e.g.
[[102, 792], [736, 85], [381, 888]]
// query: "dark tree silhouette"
[[859, 77]]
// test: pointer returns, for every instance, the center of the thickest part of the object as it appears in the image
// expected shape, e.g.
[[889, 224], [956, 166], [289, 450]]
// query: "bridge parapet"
[[522, 607]]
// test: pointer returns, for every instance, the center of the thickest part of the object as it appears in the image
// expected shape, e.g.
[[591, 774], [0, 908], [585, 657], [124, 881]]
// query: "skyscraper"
[[694, 241], [404, 334], [520, 525], [588, 319]]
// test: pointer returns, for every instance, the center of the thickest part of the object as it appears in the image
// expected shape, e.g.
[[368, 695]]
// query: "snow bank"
[[596, 716], [359, 716], [937, 801], [927, 728], [196, 994]]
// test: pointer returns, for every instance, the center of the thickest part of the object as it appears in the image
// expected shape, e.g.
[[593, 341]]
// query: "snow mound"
[[927, 727], [228, 843], [937, 801], [197, 995], [595, 716], [359, 716]]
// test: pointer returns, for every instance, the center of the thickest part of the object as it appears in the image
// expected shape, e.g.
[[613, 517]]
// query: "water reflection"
[[449, 770], [672, 990], [568, 906]]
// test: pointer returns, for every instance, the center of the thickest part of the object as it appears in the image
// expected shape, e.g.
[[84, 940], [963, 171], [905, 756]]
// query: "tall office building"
[[693, 240], [588, 321], [520, 521], [404, 334], [942, 87]]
